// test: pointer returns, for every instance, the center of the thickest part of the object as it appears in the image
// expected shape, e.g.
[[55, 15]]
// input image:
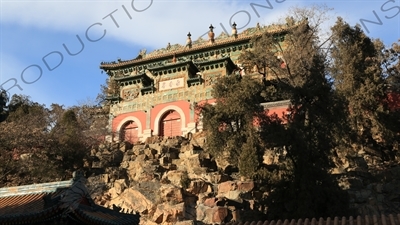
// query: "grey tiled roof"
[[359, 220], [57, 201]]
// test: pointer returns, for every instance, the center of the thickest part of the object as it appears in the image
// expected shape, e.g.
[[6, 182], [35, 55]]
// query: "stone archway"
[[132, 125], [162, 113], [130, 132]]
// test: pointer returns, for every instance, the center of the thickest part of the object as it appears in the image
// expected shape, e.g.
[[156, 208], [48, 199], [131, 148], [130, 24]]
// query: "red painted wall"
[[185, 106], [280, 111], [197, 112]]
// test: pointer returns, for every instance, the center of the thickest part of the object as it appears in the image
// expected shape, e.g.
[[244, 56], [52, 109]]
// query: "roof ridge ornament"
[[188, 41], [211, 35], [234, 30], [142, 54]]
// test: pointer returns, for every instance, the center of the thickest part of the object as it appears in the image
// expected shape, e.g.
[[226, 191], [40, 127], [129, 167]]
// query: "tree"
[[230, 122], [108, 91], [23, 136], [38, 144], [360, 79], [93, 119], [298, 62], [390, 58], [3, 104], [26, 124], [69, 144]]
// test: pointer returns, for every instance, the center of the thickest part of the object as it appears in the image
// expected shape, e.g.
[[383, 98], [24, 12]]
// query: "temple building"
[[155, 94]]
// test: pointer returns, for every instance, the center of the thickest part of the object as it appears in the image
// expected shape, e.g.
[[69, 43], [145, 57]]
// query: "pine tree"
[[304, 187], [390, 57], [359, 80], [3, 104], [229, 124]]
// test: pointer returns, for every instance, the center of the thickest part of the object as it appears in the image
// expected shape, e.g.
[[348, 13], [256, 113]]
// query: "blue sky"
[[33, 32]]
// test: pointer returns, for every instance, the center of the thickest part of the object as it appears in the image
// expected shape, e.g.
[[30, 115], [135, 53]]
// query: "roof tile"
[[359, 220]]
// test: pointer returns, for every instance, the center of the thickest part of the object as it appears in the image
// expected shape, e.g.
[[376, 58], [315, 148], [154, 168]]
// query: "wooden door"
[[130, 132], [171, 124]]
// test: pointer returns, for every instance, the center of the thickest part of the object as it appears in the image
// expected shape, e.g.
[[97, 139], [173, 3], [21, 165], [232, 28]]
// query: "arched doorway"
[[170, 124], [130, 132]]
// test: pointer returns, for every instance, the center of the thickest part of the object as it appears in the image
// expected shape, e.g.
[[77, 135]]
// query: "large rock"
[[140, 170], [178, 178], [197, 172], [167, 213], [157, 147], [120, 185], [245, 186], [223, 162], [185, 155], [138, 149], [150, 152], [211, 215], [170, 193], [219, 214], [201, 214], [226, 187], [193, 161], [117, 188], [215, 177], [153, 140], [187, 148], [203, 196], [134, 199], [198, 139], [270, 157], [191, 164], [173, 142], [127, 157], [199, 186], [210, 202], [233, 190]]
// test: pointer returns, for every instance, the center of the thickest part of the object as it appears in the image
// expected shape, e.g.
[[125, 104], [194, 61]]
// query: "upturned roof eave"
[[170, 54], [202, 46]]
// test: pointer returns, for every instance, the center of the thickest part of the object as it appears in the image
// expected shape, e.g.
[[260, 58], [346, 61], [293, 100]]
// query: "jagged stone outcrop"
[[174, 181]]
